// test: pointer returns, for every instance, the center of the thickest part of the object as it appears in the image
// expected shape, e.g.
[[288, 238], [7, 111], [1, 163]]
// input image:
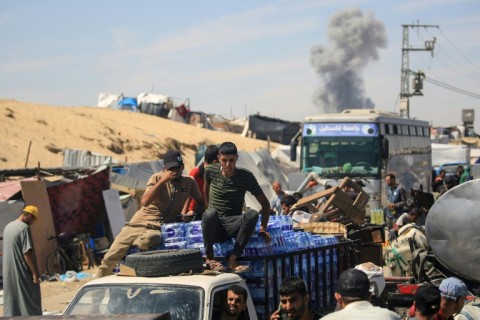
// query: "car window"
[[183, 303], [219, 303]]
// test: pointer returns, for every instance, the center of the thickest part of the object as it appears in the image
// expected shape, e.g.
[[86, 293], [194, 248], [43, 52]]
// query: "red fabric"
[[195, 173], [76, 206]]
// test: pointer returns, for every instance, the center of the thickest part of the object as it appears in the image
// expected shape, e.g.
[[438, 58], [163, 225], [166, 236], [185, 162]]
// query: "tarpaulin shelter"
[[108, 100], [128, 103], [276, 130], [154, 104]]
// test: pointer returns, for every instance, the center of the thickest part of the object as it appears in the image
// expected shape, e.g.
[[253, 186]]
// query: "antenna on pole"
[[406, 72]]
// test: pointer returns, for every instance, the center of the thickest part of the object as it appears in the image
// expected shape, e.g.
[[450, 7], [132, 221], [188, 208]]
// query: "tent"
[[276, 130], [154, 104]]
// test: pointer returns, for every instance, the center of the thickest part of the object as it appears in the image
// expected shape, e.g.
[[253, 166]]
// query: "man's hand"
[[170, 175], [275, 315], [262, 233], [187, 217], [35, 279]]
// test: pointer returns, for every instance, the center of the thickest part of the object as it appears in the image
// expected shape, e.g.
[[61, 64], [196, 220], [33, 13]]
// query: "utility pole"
[[418, 80]]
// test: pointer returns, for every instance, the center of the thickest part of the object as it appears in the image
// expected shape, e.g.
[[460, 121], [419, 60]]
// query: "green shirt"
[[227, 194]]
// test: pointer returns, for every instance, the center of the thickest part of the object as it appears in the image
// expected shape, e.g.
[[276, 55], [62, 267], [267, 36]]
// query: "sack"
[[399, 256]]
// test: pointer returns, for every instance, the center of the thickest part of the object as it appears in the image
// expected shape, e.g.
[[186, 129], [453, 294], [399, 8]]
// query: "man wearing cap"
[[21, 284], [453, 292], [353, 295], [427, 302], [164, 199]]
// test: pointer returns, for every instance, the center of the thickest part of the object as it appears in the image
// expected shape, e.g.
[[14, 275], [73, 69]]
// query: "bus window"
[[395, 129], [413, 131]]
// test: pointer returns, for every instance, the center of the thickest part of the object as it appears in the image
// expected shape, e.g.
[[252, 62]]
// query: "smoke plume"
[[354, 41]]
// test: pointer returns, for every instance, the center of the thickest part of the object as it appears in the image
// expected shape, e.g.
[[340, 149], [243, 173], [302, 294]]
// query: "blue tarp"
[[128, 104]]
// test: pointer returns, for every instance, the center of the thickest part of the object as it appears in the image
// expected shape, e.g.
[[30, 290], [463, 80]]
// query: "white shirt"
[[360, 310]]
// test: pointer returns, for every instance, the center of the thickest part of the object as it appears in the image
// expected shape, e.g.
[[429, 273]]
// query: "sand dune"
[[126, 136]]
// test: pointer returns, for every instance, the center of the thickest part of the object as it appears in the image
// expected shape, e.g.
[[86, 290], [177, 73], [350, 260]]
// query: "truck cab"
[[193, 297]]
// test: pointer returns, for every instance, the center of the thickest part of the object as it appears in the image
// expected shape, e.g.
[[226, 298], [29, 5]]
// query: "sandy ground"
[[57, 294], [35, 135]]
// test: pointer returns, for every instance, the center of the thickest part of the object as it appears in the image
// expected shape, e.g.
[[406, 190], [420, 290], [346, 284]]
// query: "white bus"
[[366, 144]]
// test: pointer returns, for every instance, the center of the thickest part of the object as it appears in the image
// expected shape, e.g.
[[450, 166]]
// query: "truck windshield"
[[181, 302], [341, 156]]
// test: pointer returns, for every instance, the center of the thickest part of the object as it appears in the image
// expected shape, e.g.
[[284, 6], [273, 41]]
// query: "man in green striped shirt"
[[225, 188]]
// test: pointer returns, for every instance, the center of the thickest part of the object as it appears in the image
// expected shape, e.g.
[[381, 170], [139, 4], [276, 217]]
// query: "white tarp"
[[108, 100], [145, 97], [449, 153]]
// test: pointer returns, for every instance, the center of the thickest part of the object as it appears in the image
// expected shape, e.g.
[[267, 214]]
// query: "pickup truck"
[[193, 297], [199, 296]]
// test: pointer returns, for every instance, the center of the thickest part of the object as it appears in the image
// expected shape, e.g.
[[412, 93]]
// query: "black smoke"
[[354, 41]]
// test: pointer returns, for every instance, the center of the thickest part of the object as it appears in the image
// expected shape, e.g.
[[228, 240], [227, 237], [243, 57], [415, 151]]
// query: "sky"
[[283, 59]]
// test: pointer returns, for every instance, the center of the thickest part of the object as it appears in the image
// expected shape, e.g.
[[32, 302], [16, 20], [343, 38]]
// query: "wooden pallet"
[[338, 204]]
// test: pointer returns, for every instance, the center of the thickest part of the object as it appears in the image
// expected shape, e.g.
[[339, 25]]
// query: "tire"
[[158, 263], [55, 264]]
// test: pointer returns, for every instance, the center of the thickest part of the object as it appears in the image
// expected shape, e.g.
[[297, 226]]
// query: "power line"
[[452, 88], [454, 47], [442, 50]]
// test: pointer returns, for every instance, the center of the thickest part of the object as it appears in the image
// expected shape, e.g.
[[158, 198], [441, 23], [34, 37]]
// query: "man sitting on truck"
[[353, 295], [164, 199], [225, 188], [294, 300]]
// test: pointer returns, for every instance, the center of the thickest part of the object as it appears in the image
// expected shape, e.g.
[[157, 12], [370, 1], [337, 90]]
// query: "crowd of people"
[[214, 193]]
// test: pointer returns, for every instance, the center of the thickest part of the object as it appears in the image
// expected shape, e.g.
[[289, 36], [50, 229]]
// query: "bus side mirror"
[[293, 150], [385, 149]]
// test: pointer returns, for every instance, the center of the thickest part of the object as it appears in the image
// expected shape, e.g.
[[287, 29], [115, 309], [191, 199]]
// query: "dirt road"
[[56, 295]]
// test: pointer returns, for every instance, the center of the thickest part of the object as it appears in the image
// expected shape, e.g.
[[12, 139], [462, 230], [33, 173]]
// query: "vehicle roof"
[[199, 280], [367, 115]]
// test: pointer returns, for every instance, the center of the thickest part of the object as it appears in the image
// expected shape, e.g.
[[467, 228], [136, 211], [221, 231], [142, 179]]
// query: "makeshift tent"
[[127, 103], [276, 130], [108, 100], [154, 104]]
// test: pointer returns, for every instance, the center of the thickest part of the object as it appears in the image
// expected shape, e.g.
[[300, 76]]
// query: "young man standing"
[[395, 201], [294, 300], [225, 188], [275, 202], [198, 173]]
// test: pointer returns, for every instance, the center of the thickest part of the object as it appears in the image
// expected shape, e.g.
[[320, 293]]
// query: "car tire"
[[158, 263]]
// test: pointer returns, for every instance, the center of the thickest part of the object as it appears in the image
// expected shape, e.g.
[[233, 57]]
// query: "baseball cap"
[[353, 283], [32, 210], [453, 288], [427, 299], [172, 159]]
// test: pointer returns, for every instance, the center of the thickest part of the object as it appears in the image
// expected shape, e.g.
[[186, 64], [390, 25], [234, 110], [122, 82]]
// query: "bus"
[[366, 145]]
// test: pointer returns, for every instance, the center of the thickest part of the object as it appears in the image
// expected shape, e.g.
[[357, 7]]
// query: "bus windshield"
[[341, 156]]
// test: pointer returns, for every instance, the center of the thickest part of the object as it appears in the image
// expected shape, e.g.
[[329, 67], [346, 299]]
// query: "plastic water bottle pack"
[[173, 230]]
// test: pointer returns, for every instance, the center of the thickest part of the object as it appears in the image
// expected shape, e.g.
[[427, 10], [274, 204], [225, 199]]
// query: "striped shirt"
[[227, 194]]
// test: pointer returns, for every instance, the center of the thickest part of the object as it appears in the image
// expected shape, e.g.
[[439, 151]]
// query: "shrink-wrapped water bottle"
[[173, 230]]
